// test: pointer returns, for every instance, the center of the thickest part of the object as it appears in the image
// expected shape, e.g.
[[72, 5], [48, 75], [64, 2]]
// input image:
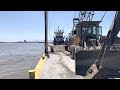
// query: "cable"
[[103, 16], [103, 57], [104, 47]]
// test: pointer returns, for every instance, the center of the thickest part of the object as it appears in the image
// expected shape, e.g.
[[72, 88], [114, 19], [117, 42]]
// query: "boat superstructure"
[[90, 34], [86, 29], [59, 38]]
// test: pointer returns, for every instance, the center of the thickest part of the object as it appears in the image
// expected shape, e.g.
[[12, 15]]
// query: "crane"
[[96, 70]]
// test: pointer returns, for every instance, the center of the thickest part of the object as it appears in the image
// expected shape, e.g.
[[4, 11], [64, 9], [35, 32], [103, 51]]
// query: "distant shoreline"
[[24, 42]]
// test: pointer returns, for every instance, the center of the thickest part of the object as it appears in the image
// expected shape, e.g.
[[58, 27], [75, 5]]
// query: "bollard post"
[[31, 74]]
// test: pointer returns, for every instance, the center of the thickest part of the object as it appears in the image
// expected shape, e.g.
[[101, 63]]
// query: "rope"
[[103, 16], [103, 57], [97, 57], [104, 48]]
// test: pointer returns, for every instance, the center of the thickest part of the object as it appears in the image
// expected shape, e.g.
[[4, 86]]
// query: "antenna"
[[86, 15]]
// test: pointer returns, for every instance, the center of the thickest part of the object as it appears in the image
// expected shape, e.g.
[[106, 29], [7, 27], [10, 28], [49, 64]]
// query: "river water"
[[16, 59]]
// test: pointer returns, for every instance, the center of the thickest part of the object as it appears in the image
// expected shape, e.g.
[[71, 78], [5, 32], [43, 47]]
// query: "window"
[[84, 30], [99, 30], [89, 31], [94, 30]]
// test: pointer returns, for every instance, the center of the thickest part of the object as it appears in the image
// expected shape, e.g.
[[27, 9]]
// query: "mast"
[[46, 32]]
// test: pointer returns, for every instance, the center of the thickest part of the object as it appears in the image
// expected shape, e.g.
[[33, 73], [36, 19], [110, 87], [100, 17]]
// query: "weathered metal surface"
[[84, 59]]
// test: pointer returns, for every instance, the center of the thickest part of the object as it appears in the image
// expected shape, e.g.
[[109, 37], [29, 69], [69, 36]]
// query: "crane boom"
[[96, 71], [112, 33]]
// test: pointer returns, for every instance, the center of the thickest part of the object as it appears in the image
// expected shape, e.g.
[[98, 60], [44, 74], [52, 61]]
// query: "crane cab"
[[89, 31]]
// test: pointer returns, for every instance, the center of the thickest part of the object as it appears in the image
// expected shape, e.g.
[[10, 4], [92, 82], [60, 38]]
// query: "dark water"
[[17, 58]]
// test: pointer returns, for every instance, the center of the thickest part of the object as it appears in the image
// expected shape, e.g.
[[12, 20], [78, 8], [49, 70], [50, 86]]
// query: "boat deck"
[[59, 65]]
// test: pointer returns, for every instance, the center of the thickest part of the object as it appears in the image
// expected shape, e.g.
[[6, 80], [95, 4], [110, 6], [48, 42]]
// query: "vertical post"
[[46, 32], [31, 74]]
